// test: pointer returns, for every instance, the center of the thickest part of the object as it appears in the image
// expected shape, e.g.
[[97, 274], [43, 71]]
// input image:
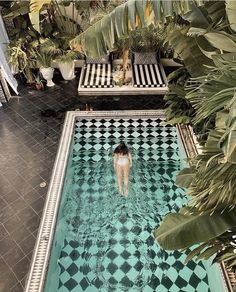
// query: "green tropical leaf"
[[195, 252], [178, 231], [231, 13], [17, 9], [35, 7], [185, 47], [221, 41], [185, 177], [124, 18], [228, 141], [210, 251], [179, 120], [196, 16], [221, 118]]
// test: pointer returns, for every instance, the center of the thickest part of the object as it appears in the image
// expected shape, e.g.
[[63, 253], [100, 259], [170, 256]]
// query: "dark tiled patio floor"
[[29, 138]]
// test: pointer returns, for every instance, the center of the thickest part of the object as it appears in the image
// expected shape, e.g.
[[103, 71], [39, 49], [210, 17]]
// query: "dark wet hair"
[[122, 148]]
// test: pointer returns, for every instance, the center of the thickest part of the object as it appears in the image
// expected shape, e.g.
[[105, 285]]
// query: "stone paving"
[[30, 128]]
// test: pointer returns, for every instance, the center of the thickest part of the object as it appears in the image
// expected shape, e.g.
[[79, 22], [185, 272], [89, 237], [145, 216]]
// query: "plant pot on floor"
[[67, 70], [48, 75]]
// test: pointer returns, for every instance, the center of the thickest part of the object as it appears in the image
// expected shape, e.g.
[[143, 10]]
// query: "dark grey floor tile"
[[21, 268], [35, 233], [35, 180], [27, 156], [3, 231], [46, 174], [3, 203], [13, 256], [27, 173], [53, 149], [31, 196], [33, 224], [5, 214], [26, 215], [11, 196], [42, 191], [12, 224], [17, 288], [23, 280], [10, 172], [45, 155], [38, 205], [20, 233], [23, 188], [7, 281], [3, 266], [6, 244], [5, 188], [18, 205], [30, 254], [37, 148], [19, 180], [27, 245]]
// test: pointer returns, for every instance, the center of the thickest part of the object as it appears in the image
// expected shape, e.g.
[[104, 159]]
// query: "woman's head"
[[122, 148]]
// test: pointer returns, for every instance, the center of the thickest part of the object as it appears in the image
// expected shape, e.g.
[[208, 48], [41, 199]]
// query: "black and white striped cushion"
[[148, 75], [97, 76]]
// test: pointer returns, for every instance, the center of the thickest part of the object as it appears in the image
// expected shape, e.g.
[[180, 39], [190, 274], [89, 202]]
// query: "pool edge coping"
[[41, 255]]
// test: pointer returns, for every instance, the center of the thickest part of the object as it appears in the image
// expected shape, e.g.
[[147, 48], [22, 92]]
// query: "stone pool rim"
[[41, 255]]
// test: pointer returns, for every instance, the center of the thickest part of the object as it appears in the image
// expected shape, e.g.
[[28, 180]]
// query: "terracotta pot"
[[39, 86]]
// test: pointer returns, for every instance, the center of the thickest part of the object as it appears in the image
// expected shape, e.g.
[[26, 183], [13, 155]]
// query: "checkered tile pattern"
[[109, 244]]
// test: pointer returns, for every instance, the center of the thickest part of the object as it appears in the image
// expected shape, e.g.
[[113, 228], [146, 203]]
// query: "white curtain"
[[3, 62]]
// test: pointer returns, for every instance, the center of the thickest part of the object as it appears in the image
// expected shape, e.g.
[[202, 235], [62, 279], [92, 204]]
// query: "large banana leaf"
[[186, 47], [196, 16], [231, 13], [218, 40], [103, 35], [185, 177], [221, 41], [17, 9], [178, 231], [35, 7]]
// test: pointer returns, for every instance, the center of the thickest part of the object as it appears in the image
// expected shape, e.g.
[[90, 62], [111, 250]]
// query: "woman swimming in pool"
[[122, 164]]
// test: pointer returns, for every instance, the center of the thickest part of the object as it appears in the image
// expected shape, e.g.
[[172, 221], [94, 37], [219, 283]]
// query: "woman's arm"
[[115, 160], [130, 160]]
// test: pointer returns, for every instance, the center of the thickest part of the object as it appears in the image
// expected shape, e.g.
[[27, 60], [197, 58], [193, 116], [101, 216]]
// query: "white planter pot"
[[48, 75], [67, 70]]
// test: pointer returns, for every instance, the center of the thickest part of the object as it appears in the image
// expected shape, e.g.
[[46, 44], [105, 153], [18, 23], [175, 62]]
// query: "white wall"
[[4, 40]]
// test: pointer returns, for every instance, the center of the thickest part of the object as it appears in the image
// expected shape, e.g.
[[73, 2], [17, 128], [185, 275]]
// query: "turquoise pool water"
[[104, 241]]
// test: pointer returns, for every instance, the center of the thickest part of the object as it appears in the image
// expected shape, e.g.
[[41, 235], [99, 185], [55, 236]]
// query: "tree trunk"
[[29, 75], [125, 62]]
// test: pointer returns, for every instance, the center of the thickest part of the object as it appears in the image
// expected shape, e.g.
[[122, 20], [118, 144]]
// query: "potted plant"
[[44, 53], [38, 82], [66, 64], [44, 63], [19, 58]]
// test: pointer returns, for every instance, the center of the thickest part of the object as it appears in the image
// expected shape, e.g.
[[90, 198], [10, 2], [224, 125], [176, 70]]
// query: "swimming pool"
[[104, 241]]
